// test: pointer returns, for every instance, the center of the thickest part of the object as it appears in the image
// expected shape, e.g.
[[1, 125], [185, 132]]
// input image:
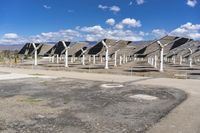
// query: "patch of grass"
[[31, 100]]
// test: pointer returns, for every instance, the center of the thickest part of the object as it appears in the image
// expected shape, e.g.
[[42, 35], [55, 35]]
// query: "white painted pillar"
[[72, 59], [152, 61], [120, 60], [57, 59], [83, 60], [35, 62], [115, 59], [101, 58], [190, 62], [181, 60], [89, 58], [52, 59], [35, 54], [161, 59], [94, 60], [107, 58], [174, 59], [66, 58], [155, 61], [124, 59]]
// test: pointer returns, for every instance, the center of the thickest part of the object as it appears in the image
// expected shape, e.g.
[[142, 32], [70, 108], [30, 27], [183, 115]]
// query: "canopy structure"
[[99, 47], [76, 49], [28, 49], [58, 48], [171, 41], [128, 51], [44, 49]]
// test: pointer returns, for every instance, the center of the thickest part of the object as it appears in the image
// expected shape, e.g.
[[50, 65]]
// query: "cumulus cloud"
[[10, 36], [159, 33], [188, 30], [110, 21], [191, 3], [119, 26], [101, 33], [131, 22], [113, 8], [46, 7]]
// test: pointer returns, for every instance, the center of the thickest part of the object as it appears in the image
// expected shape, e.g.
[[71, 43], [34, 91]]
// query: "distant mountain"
[[11, 47]]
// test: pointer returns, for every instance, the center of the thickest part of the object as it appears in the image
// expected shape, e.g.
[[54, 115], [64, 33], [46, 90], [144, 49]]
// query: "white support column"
[[101, 59], [174, 60], [124, 58], [161, 59], [115, 58], [83, 59], [190, 62], [89, 58], [35, 54], [181, 60], [155, 61], [107, 58], [72, 60], [94, 60], [120, 60], [66, 54], [152, 61], [52, 59], [57, 59], [66, 58]]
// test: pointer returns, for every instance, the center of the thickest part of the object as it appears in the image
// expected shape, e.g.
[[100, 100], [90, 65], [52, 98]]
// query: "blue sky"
[[52, 20]]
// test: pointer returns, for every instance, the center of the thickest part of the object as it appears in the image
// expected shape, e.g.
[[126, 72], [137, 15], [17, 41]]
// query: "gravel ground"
[[81, 106]]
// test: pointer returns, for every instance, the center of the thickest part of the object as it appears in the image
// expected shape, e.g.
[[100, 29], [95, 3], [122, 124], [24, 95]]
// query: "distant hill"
[[11, 47]]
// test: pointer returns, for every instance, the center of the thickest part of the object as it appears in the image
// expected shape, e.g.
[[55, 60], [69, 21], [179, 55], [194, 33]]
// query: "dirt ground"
[[81, 106], [136, 68]]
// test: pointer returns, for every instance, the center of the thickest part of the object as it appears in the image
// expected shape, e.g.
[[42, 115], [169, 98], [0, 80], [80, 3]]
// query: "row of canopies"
[[115, 49]]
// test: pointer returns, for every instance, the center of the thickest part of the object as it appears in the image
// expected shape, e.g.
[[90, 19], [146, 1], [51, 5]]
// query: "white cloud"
[[131, 22], [140, 2], [188, 30], [110, 21], [130, 3], [10, 36], [119, 26], [159, 33], [88, 33], [96, 33], [103, 7], [113, 8], [191, 3], [46, 7]]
